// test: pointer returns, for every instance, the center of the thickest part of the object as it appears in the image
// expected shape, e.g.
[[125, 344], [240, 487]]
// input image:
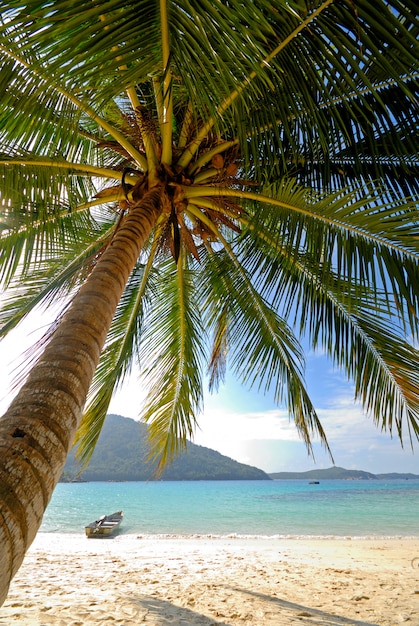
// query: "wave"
[[128, 536]]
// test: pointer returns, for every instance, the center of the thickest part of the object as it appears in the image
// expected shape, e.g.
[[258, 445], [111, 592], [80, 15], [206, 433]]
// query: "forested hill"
[[121, 454], [339, 473]]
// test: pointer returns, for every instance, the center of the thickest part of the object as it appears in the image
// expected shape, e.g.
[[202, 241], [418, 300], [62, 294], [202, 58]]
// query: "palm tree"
[[196, 181]]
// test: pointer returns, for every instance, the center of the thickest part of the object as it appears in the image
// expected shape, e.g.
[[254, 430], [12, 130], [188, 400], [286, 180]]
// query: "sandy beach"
[[69, 580]]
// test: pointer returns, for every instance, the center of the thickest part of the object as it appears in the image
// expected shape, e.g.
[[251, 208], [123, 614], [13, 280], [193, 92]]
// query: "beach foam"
[[69, 580]]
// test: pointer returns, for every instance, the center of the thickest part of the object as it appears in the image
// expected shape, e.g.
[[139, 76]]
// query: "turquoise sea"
[[286, 508]]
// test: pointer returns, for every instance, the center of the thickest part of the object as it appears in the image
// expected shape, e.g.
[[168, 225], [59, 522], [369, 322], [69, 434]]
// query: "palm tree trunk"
[[38, 429]]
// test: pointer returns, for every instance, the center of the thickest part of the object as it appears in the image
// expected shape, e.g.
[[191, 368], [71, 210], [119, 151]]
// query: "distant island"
[[339, 473], [121, 455]]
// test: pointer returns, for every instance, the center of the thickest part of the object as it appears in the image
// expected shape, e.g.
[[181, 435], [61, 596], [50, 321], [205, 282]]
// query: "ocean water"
[[286, 508]]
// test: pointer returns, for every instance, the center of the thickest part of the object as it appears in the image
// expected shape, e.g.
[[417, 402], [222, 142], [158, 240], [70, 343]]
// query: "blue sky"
[[249, 427]]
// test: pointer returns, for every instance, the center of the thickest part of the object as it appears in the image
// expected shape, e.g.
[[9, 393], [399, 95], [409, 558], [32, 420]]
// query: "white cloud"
[[273, 424], [267, 439]]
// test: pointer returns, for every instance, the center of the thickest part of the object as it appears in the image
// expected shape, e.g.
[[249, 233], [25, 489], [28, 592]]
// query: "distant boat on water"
[[105, 525], [314, 482]]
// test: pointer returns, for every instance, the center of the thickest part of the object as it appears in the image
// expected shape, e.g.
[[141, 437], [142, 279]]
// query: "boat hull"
[[105, 525]]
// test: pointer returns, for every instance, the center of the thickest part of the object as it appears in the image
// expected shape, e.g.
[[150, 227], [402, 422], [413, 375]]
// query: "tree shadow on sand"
[[304, 614], [165, 613]]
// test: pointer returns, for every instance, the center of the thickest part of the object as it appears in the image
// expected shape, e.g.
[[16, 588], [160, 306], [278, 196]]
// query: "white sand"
[[69, 580]]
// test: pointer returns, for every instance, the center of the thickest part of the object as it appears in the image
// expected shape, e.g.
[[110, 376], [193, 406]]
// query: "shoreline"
[[69, 580], [126, 536]]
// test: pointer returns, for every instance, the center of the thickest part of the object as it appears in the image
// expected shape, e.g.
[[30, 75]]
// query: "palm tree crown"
[[280, 139]]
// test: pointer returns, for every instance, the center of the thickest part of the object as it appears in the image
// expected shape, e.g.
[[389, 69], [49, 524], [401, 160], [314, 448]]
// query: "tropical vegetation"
[[121, 454], [202, 185]]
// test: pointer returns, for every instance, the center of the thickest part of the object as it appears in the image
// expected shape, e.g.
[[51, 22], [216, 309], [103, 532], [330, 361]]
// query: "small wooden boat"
[[105, 525]]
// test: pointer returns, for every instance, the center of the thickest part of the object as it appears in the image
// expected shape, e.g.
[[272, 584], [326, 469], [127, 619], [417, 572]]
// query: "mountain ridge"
[[121, 455], [122, 449]]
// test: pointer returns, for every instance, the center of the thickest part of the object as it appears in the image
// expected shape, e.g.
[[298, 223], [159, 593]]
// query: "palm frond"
[[261, 347], [50, 103], [40, 244], [353, 319], [373, 243], [47, 276], [172, 353]]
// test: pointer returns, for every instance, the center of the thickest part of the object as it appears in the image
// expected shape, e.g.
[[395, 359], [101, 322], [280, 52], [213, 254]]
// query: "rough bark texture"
[[38, 429]]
